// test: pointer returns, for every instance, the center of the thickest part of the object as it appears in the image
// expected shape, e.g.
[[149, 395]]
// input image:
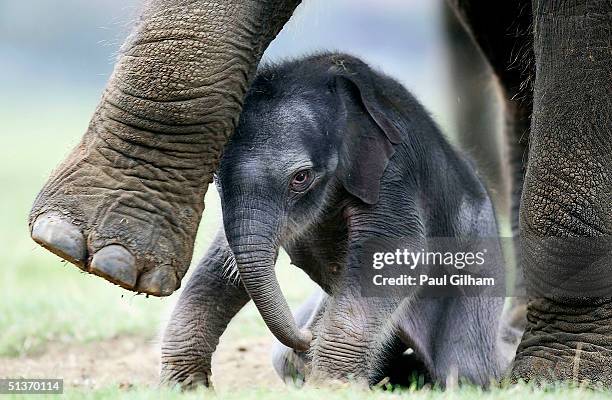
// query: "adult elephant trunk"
[[252, 234]]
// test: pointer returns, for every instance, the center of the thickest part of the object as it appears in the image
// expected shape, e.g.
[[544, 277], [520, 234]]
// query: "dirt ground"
[[135, 361]]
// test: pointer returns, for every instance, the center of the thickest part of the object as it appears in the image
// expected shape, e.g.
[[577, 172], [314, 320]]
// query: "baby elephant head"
[[311, 132]]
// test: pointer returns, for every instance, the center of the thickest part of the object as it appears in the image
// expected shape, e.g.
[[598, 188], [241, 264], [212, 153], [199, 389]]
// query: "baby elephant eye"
[[301, 180]]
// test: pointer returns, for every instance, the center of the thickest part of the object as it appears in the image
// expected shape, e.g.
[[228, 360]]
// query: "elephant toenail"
[[158, 282], [168, 285], [60, 237], [117, 264]]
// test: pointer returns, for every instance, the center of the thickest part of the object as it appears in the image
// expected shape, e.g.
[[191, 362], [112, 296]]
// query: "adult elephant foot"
[[126, 203], [566, 213], [566, 343]]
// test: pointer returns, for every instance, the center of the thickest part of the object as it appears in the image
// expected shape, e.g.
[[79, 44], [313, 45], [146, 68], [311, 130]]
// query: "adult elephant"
[[127, 201]]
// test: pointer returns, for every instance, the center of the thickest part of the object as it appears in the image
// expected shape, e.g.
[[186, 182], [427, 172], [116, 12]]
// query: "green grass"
[[463, 393]]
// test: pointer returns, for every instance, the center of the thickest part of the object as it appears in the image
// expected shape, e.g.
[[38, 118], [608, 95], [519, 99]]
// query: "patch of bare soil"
[[131, 361]]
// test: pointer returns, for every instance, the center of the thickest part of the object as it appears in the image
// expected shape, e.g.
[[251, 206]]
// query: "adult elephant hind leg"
[[474, 103], [127, 201], [566, 212], [213, 296], [502, 31]]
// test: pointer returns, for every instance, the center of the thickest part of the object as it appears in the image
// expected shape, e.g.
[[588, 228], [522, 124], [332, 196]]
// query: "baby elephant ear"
[[370, 129]]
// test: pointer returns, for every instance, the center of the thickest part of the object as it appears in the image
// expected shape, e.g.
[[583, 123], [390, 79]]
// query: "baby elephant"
[[328, 156]]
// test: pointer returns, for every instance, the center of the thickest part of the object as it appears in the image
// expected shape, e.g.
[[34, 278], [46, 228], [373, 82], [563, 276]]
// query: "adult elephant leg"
[[502, 32], [211, 299], [474, 103], [566, 211], [127, 201], [517, 120]]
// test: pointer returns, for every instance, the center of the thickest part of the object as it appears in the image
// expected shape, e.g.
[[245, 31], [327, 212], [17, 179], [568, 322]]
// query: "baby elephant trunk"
[[253, 238]]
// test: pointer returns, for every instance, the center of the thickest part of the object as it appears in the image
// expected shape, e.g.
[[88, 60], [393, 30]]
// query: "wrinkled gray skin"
[[324, 114], [126, 203]]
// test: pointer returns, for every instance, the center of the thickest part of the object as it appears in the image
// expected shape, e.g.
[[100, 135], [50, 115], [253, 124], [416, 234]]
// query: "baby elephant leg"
[[290, 365], [213, 296]]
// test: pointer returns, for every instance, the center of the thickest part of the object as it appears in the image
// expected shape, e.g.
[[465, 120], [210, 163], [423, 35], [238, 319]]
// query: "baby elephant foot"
[[126, 203], [184, 376], [566, 343]]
